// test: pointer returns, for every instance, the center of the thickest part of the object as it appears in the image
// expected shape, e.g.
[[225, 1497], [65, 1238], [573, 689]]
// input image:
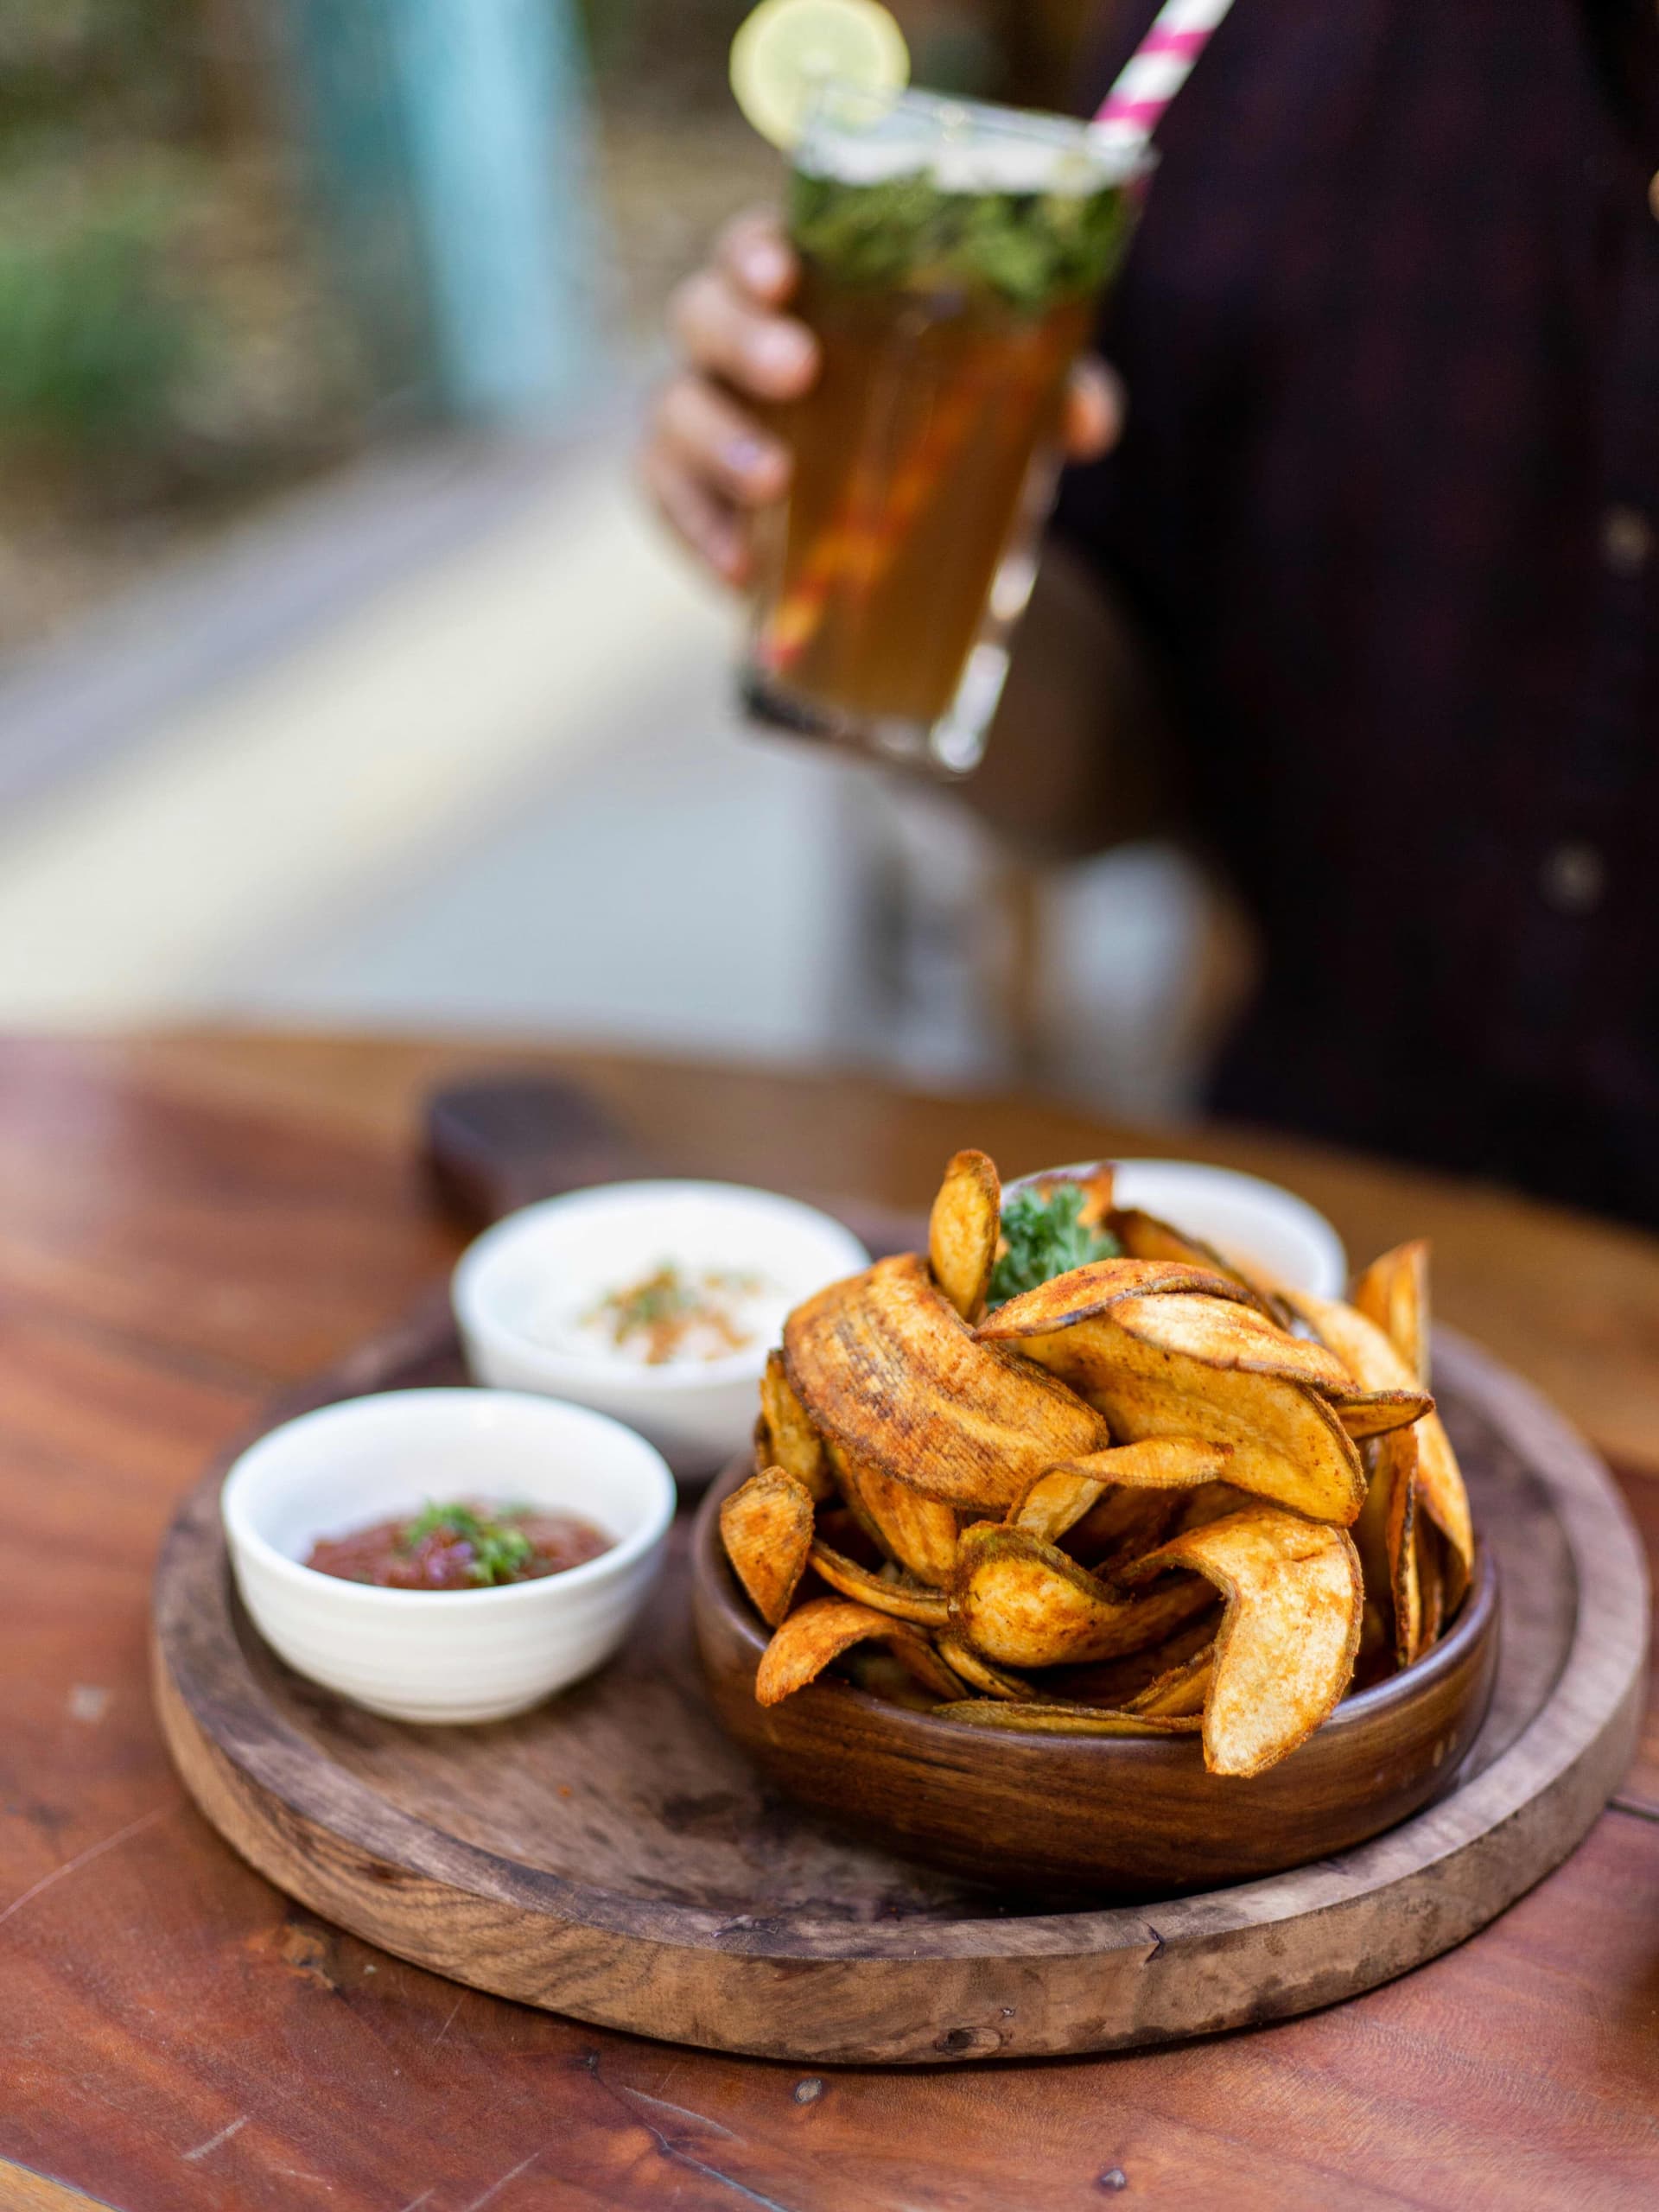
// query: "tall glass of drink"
[[953, 256]]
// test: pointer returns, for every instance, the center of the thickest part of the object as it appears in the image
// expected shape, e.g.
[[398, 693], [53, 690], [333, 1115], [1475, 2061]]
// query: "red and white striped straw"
[[1158, 68]]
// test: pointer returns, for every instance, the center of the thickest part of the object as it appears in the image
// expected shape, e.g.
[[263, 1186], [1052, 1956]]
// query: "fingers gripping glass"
[[953, 257]]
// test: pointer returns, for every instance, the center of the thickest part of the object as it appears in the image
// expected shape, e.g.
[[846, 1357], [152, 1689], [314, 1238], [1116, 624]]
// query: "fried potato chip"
[[1289, 1630], [1287, 1441], [962, 1232], [980, 1675], [906, 1601], [1061, 1497], [1381, 1368], [1178, 1691], [1124, 1525], [888, 1370], [1431, 1549], [1116, 1683], [817, 1633], [1372, 1361], [1370, 1535], [1211, 1502], [795, 1445], [1394, 1474], [767, 1528], [1376, 1413], [1097, 1184], [1439, 1482], [1223, 1333], [1082, 1292], [1065, 1720], [1022, 1603], [919, 1533], [1392, 1291], [1144, 1236]]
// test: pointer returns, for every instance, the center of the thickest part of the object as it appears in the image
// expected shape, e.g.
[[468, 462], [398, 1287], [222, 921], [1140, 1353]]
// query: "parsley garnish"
[[1045, 1238], [498, 1551]]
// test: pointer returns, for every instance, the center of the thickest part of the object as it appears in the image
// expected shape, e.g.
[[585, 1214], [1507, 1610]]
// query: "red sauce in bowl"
[[465, 1546]]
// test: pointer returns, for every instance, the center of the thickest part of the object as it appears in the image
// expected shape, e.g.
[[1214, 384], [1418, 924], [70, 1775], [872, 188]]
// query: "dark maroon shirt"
[[1388, 499]]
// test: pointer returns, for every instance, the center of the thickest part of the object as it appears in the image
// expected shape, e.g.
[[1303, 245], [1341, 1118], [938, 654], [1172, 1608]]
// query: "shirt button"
[[1626, 540], [1573, 878]]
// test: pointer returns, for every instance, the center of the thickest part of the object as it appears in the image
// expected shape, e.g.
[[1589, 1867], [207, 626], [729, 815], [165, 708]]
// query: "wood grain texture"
[[608, 1856], [187, 1224]]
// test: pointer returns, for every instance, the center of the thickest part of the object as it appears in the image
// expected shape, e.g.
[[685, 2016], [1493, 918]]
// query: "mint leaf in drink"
[[1027, 249], [1045, 1236]]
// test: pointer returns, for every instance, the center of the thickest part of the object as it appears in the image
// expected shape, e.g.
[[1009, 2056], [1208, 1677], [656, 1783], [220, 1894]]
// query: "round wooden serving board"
[[614, 1856]]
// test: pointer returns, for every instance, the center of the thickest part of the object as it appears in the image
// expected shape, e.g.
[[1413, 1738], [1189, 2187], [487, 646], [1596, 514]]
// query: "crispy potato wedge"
[[1223, 1333], [1431, 1549], [872, 1667], [1370, 1535], [1116, 1683], [1065, 1719], [1082, 1292], [764, 1454], [1289, 1631], [1062, 1496], [979, 1673], [1180, 1690], [795, 1445], [1385, 1395], [1443, 1498], [919, 1533], [906, 1601], [887, 1368], [1376, 1412], [1287, 1442], [1211, 1502], [962, 1232], [1144, 1236], [1022, 1603], [767, 1528], [1381, 1368], [817, 1633], [1396, 1471], [1392, 1291], [845, 1477], [1056, 1501], [1124, 1523], [1374, 1365], [1097, 1184]]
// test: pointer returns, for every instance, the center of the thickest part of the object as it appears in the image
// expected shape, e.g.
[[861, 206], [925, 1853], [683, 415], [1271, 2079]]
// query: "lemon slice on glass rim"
[[786, 49]]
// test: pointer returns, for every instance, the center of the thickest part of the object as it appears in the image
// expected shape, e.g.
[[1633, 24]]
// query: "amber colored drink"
[[952, 269]]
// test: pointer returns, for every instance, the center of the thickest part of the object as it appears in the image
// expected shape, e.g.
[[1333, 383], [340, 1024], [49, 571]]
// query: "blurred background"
[[343, 678]]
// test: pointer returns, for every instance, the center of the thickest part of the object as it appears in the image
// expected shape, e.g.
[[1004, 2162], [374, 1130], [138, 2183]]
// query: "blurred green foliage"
[[99, 107], [96, 341]]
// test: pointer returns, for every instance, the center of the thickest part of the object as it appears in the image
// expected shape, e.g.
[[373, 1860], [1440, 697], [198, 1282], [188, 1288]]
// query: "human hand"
[[708, 462]]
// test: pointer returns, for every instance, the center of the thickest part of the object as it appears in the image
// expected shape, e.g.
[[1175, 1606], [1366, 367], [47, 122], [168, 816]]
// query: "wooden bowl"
[[1124, 1816]]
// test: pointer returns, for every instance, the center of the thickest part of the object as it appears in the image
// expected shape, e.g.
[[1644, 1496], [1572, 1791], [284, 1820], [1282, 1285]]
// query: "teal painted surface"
[[450, 145], [500, 156]]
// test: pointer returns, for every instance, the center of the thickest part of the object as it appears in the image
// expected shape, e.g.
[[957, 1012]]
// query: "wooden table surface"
[[187, 1224]]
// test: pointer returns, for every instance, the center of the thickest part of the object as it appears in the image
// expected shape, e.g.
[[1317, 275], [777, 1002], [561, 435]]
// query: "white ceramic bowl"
[[568, 1252], [1245, 1217], [454, 1654]]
